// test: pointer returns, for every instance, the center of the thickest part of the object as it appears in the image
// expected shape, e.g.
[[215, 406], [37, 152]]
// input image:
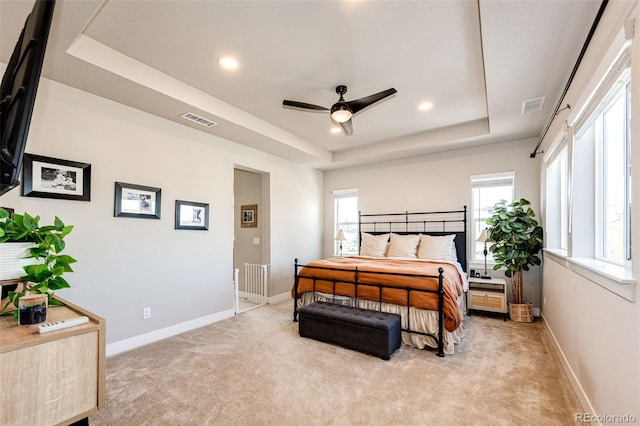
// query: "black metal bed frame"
[[410, 221], [428, 223]]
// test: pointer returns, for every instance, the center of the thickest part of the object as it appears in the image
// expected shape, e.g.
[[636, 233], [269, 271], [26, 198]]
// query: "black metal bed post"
[[440, 312], [295, 291], [355, 301], [465, 266], [409, 310], [359, 233]]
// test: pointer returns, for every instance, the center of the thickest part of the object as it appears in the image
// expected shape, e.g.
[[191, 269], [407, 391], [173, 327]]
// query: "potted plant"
[[517, 241], [44, 276]]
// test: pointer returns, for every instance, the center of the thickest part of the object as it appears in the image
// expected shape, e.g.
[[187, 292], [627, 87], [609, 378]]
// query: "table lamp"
[[483, 239], [340, 237]]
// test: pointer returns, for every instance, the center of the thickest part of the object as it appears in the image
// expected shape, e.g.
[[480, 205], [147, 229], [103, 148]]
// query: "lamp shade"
[[340, 236], [483, 236], [340, 113]]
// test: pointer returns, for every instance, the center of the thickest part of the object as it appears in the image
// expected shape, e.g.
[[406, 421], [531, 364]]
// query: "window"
[[486, 191], [598, 182], [604, 133], [614, 178], [557, 217], [345, 214]]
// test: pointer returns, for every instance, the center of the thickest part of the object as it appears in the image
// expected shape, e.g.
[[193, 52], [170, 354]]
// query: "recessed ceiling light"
[[335, 130], [424, 106], [228, 63]]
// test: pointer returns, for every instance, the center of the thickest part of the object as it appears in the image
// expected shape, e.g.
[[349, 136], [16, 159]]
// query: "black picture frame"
[[139, 201], [192, 215], [48, 177]]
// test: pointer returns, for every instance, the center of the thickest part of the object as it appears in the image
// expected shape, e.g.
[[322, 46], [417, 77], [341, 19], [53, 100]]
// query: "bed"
[[412, 264]]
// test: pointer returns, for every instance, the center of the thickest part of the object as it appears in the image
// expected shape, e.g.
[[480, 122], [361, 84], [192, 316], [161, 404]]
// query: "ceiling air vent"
[[199, 120], [532, 105]]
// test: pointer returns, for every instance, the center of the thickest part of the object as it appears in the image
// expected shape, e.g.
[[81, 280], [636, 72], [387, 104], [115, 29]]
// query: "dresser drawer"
[[491, 301]]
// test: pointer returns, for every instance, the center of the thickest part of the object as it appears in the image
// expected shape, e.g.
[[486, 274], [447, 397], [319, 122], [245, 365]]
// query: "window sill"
[[558, 256], [616, 279], [480, 262], [479, 266]]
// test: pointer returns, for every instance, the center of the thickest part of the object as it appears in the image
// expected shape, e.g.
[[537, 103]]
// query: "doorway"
[[251, 238]]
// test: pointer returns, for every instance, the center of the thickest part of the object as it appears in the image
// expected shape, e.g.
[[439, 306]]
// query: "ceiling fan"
[[342, 111]]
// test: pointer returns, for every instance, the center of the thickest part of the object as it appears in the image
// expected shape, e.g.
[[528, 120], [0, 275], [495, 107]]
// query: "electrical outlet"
[[146, 313], [544, 302]]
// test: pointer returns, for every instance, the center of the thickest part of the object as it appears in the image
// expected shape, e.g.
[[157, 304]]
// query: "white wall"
[[597, 335], [125, 264], [437, 182]]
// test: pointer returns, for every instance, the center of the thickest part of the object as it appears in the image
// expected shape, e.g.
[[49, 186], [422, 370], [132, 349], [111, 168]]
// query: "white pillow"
[[403, 245], [374, 245], [437, 248]]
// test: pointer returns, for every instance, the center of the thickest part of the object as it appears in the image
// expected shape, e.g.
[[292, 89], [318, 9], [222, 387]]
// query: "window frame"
[[485, 181], [558, 190], [342, 194], [617, 83]]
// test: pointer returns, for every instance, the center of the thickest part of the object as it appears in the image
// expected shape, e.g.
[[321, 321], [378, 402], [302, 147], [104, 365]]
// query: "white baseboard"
[[154, 336], [245, 295], [573, 379], [282, 297]]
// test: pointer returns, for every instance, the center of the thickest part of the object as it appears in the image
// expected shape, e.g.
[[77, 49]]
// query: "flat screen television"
[[18, 91]]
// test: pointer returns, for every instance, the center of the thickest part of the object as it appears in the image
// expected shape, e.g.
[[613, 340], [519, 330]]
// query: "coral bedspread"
[[422, 274]]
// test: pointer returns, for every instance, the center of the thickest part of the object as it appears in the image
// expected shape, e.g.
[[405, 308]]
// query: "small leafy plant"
[[517, 240], [44, 276]]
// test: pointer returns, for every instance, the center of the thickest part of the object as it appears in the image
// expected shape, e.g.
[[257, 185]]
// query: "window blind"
[[345, 193], [619, 72], [493, 180]]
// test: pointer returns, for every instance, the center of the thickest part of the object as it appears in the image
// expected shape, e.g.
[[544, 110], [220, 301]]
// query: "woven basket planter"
[[521, 312]]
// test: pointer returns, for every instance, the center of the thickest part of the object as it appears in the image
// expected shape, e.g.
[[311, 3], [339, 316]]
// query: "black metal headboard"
[[428, 223]]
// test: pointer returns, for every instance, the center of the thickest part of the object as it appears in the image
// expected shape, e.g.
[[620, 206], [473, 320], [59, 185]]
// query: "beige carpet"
[[254, 369]]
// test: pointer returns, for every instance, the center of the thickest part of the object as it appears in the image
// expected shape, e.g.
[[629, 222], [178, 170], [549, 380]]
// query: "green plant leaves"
[[44, 277], [516, 237]]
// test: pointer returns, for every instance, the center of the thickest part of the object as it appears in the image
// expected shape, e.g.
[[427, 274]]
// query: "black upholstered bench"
[[371, 332]]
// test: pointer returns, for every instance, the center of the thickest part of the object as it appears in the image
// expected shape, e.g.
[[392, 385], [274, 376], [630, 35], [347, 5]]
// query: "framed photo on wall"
[[137, 201], [47, 177], [249, 216], [190, 215]]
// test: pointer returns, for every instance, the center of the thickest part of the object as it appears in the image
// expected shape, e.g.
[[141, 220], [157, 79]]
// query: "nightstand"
[[488, 295]]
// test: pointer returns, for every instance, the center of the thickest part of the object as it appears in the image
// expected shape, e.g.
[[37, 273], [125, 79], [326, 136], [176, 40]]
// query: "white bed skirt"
[[421, 320]]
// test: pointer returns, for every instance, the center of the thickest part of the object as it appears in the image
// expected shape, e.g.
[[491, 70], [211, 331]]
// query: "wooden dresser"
[[55, 378]]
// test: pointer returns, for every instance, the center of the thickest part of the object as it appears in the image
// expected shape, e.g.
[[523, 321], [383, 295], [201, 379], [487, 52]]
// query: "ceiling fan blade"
[[347, 127], [296, 104], [360, 104]]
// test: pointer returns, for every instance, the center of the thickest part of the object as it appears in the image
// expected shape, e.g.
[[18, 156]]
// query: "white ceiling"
[[476, 61]]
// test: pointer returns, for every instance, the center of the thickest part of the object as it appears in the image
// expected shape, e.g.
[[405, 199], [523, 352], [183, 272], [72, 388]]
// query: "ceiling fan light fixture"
[[228, 63], [341, 113]]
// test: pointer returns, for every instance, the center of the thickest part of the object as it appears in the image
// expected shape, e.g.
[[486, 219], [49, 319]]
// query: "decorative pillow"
[[403, 245], [374, 245], [437, 248]]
